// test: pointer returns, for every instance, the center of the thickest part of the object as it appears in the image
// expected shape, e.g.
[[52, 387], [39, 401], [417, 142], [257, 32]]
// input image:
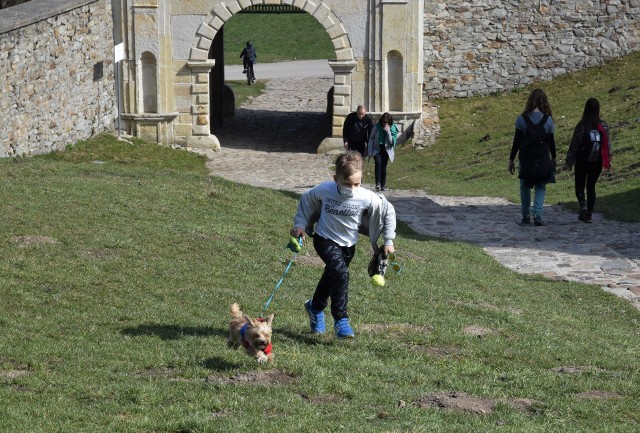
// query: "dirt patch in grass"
[[478, 331], [29, 241], [309, 260], [575, 369], [220, 413], [436, 351], [395, 328], [461, 401], [13, 374], [599, 395], [267, 377]]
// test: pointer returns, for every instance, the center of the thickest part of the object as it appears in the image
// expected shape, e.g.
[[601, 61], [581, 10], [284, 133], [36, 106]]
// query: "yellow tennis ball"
[[377, 280], [295, 245]]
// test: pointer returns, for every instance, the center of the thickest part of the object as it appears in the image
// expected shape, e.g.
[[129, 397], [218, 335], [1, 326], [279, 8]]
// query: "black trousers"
[[381, 160], [358, 146], [334, 283], [586, 175]]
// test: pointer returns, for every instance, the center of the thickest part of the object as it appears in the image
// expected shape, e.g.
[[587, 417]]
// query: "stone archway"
[[179, 34], [200, 64]]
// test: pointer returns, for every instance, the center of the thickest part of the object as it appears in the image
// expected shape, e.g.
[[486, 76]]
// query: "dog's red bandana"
[[245, 343]]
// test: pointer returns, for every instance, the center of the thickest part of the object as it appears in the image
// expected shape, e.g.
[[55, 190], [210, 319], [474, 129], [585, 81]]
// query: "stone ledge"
[[31, 12]]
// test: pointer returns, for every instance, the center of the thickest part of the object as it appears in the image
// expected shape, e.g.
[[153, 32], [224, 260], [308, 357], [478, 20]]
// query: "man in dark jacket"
[[356, 129]]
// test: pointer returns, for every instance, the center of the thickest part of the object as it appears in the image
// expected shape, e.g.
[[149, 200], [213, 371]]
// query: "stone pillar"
[[201, 136], [342, 92]]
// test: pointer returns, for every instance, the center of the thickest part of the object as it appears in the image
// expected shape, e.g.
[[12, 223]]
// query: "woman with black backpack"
[[535, 143], [590, 151]]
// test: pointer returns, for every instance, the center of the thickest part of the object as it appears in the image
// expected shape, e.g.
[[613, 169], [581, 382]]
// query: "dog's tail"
[[235, 310]]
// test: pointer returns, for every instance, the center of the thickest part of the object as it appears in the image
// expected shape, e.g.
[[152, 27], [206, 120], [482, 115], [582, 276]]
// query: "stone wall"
[[56, 74], [486, 46]]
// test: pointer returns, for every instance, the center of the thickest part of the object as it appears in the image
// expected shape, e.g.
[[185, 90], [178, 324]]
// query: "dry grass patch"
[[267, 377], [29, 241], [461, 401]]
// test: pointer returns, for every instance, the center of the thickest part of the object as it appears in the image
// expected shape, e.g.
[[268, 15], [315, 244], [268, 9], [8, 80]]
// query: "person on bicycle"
[[249, 56]]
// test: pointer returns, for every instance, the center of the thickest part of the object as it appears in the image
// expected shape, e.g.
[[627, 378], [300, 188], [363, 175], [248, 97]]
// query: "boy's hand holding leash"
[[297, 232]]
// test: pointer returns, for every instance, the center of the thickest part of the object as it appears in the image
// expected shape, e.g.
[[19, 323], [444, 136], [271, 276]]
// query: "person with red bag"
[[590, 152]]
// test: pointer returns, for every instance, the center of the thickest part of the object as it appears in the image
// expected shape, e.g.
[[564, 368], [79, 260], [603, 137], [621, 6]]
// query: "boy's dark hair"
[[348, 163]]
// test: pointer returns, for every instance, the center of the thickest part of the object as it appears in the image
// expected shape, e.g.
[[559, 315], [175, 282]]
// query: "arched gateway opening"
[[206, 64]]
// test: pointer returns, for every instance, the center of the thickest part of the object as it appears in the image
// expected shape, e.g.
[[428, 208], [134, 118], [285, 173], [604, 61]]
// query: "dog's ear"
[[270, 319], [249, 320]]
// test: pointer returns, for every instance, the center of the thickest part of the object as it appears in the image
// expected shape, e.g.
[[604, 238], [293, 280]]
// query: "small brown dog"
[[252, 334]]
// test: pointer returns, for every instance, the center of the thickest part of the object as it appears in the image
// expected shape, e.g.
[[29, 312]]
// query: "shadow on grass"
[[218, 363], [303, 338], [173, 332]]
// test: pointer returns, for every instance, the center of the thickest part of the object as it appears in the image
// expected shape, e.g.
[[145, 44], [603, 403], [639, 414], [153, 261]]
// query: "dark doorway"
[[216, 82]]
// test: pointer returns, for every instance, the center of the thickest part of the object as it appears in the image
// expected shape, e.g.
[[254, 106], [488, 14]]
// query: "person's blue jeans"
[[538, 199]]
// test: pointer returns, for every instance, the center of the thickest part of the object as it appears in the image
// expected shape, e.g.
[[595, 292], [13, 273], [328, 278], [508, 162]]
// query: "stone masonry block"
[[199, 88], [202, 99], [202, 78], [205, 43], [339, 99], [328, 21], [340, 43], [199, 109], [341, 110], [336, 131], [244, 3], [200, 129], [310, 7], [272, 2], [198, 54], [221, 11], [216, 23], [202, 119], [336, 31], [344, 54], [299, 3], [234, 7], [340, 79], [182, 130], [342, 90], [322, 12], [207, 31]]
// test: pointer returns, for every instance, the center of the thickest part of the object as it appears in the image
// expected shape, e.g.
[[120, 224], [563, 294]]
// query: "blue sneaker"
[[343, 329], [316, 318]]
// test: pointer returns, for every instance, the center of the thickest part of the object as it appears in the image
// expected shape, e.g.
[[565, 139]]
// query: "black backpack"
[[250, 54], [535, 160]]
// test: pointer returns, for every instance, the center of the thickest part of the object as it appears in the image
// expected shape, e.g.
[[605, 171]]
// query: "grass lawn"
[[276, 37], [119, 263]]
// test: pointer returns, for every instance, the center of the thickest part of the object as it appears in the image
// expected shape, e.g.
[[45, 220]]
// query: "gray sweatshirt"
[[340, 219]]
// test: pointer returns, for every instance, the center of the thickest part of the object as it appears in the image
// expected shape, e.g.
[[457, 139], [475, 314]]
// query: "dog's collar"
[[245, 343]]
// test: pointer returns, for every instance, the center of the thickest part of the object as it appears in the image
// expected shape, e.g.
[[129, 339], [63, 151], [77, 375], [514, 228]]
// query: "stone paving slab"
[[605, 253]]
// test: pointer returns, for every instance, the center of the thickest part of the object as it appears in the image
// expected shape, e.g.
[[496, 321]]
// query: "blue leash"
[[296, 250]]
